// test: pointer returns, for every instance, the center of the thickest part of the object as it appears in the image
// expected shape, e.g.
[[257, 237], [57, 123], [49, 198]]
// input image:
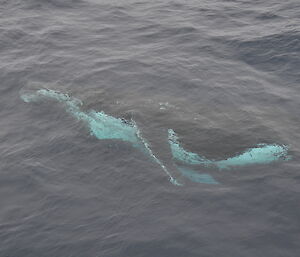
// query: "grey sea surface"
[[223, 74]]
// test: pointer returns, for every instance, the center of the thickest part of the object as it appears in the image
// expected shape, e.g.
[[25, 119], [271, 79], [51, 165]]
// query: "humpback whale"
[[104, 126], [100, 124]]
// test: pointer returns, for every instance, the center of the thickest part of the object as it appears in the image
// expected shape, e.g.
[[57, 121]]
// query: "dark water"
[[223, 74]]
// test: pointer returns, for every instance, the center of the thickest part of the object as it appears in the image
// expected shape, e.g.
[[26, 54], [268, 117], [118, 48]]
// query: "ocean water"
[[104, 103]]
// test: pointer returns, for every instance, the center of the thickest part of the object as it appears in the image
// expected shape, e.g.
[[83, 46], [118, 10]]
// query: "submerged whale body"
[[194, 176], [104, 126], [101, 125]]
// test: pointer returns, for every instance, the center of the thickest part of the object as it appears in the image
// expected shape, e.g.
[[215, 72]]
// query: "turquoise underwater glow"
[[101, 125], [262, 154], [104, 126], [196, 177]]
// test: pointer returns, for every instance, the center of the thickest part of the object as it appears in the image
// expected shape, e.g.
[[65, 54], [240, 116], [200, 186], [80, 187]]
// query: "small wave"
[[278, 53], [37, 4]]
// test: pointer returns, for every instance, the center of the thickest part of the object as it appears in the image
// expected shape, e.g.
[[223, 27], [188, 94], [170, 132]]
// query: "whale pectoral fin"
[[262, 154], [182, 155]]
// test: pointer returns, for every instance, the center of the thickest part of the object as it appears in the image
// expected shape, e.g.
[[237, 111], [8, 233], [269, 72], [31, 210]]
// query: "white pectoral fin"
[[262, 154]]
